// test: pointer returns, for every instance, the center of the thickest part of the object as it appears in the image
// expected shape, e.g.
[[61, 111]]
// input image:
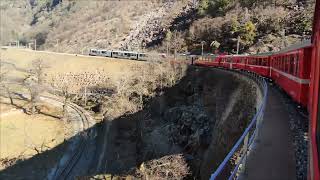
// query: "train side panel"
[[314, 100]]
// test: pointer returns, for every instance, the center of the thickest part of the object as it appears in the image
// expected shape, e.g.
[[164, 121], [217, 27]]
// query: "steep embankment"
[[199, 118]]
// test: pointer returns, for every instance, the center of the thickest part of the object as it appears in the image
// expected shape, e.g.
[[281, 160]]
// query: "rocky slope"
[[185, 131], [76, 26]]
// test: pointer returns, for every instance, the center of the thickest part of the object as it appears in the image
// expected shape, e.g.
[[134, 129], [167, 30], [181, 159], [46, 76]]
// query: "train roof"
[[303, 44]]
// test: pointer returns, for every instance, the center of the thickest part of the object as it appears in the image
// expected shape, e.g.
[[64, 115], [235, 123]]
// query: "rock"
[[189, 125]]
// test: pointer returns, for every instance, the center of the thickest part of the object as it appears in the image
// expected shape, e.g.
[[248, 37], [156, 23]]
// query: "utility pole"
[[238, 44], [58, 45], [202, 43], [35, 44]]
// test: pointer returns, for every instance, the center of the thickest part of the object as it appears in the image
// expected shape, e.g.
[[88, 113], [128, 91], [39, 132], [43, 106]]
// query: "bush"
[[214, 7], [269, 19], [248, 33]]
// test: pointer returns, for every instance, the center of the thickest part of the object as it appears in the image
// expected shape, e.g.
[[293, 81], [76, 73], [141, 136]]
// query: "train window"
[[297, 65], [286, 69], [289, 65], [283, 64], [286, 64], [263, 62], [292, 64]]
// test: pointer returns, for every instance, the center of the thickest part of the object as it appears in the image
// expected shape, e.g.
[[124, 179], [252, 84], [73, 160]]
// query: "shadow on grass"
[[23, 108]]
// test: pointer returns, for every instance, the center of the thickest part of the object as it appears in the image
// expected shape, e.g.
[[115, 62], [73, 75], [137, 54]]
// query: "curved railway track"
[[64, 171]]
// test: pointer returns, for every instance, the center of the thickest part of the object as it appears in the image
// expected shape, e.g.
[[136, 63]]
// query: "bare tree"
[[174, 42], [34, 82], [63, 84], [76, 84], [3, 76]]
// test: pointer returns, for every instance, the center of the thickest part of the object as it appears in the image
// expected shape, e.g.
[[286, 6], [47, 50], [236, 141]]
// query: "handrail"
[[245, 136]]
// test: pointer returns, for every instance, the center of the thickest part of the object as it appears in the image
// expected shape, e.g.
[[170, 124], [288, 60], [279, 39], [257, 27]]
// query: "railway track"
[[64, 171]]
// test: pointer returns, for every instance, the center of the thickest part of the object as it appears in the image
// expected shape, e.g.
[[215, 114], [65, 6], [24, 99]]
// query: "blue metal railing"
[[245, 138]]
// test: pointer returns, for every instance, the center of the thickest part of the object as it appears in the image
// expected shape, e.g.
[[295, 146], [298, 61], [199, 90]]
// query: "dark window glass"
[[292, 65], [297, 64]]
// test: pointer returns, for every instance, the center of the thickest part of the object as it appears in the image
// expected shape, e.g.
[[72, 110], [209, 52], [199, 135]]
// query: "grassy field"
[[21, 133], [60, 63]]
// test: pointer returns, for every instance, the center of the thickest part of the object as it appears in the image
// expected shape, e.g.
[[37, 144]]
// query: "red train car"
[[259, 64], [291, 71], [240, 62], [314, 100], [297, 71], [226, 61]]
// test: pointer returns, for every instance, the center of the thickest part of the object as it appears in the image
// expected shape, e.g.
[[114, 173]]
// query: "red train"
[[297, 71], [290, 68]]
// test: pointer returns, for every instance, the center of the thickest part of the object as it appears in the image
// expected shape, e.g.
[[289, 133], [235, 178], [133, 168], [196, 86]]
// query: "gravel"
[[299, 132]]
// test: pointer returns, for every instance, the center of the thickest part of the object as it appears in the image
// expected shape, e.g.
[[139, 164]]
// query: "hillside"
[[76, 26], [261, 26], [166, 26]]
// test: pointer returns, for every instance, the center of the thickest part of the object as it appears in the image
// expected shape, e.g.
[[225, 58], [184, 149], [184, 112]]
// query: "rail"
[[64, 171], [248, 136]]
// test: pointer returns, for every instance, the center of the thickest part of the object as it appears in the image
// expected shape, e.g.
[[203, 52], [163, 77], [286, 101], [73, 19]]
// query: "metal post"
[[238, 44], [58, 45], [202, 43]]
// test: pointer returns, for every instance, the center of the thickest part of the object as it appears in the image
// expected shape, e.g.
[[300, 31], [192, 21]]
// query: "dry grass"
[[63, 63], [24, 131], [133, 81], [167, 167]]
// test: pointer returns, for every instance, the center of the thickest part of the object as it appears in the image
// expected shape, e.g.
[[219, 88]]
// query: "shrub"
[[214, 7], [248, 33]]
